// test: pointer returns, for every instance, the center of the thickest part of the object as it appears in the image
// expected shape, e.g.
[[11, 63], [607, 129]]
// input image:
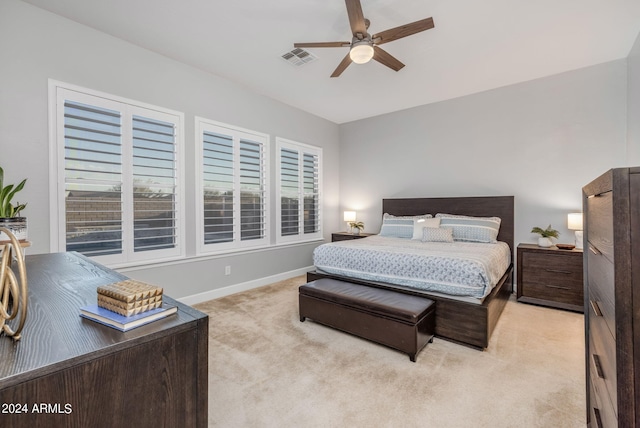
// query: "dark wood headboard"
[[479, 206]]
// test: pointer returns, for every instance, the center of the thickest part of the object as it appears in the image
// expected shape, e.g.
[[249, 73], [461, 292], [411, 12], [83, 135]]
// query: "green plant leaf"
[[549, 232], [357, 224], [6, 195], [5, 202]]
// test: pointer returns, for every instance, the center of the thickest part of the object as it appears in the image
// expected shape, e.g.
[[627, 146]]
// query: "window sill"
[[130, 267]]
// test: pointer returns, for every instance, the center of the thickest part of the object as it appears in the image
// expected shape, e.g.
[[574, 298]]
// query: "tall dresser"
[[611, 206]]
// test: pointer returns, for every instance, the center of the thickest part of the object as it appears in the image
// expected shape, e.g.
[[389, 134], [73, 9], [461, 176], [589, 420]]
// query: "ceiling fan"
[[364, 46]]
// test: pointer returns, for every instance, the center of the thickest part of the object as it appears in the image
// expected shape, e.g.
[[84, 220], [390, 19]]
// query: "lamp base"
[[579, 239]]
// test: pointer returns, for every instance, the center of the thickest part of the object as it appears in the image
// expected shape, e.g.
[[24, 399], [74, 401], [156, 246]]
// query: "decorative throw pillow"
[[421, 223], [471, 229], [399, 226], [437, 234]]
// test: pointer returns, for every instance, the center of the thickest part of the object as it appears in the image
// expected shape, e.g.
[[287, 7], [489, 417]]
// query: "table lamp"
[[349, 216], [574, 222]]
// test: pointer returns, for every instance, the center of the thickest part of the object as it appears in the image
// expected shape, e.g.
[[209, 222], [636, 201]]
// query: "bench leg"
[[302, 318], [413, 357]]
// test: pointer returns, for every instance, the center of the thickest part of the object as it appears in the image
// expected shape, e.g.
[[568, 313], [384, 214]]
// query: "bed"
[[467, 319]]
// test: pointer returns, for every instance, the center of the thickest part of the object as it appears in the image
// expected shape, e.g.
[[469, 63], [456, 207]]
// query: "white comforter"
[[458, 268]]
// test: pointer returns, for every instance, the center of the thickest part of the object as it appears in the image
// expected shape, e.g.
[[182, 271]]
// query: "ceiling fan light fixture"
[[361, 52], [364, 47]]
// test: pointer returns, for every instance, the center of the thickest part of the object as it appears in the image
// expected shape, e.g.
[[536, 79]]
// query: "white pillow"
[[420, 223], [399, 226], [437, 234], [471, 229]]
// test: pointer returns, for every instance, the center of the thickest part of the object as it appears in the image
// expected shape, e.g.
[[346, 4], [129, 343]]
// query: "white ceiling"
[[475, 45]]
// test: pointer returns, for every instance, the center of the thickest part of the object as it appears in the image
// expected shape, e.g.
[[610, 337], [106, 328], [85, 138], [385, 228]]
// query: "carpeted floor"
[[268, 369]]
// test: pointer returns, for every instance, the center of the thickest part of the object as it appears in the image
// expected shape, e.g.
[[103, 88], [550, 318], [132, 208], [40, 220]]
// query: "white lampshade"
[[349, 216], [574, 221], [361, 52]]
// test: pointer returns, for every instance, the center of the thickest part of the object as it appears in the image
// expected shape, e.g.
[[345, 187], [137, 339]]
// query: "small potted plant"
[[9, 213], [545, 235], [356, 227]]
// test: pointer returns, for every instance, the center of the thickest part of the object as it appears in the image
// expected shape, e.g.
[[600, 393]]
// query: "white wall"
[[633, 103], [36, 45], [540, 141]]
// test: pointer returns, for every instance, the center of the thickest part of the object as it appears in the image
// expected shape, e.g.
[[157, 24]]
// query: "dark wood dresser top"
[[67, 371], [56, 337]]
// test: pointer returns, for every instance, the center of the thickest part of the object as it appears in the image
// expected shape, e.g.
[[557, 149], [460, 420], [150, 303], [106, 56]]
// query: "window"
[[234, 193], [299, 212], [118, 174]]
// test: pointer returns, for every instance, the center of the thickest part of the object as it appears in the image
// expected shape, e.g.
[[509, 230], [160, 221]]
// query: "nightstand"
[[550, 277], [345, 236]]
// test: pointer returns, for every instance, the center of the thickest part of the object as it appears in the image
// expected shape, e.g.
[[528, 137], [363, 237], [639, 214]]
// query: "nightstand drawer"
[[550, 277], [557, 278], [346, 236], [341, 237], [557, 269], [557, 292]]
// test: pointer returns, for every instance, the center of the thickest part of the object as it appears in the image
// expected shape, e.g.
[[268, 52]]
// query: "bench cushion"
[[378, 301]]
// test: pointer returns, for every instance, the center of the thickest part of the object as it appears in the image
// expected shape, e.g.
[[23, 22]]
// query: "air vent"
[[299, 57]]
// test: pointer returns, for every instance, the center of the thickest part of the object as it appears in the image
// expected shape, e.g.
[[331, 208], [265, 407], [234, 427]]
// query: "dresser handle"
[[594, 250], [559, 287], [596, 412], [596, 308], [566, 272], [596, 363]]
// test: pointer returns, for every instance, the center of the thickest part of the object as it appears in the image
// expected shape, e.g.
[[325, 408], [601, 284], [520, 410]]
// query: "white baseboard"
[[237, 288]]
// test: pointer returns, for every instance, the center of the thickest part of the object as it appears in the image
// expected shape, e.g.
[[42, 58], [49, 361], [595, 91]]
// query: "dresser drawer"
[[600, 273], [601, 412], [600, 223], [602, 360]]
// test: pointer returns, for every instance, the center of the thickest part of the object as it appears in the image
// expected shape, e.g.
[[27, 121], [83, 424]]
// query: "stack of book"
[[127, 304]]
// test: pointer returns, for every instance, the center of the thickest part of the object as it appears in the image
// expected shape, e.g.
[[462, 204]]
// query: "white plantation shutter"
[[252, 191], [218, 185], [289, 192], [120, 191], [154, 184], [299, 213], [311, 195], [234, 191], [92, 179]]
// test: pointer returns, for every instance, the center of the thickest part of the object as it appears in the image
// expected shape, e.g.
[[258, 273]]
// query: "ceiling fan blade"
[[342, 66], [403, 31], [322, 45], [356, 17], [383, 57]]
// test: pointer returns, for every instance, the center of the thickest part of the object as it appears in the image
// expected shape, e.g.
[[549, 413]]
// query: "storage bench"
[[400, 321]]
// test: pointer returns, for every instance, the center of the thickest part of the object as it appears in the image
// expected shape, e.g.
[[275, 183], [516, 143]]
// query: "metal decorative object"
[[13, 290]]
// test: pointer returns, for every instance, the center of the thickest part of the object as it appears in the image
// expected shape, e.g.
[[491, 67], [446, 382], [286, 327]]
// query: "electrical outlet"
[[227, 270]]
